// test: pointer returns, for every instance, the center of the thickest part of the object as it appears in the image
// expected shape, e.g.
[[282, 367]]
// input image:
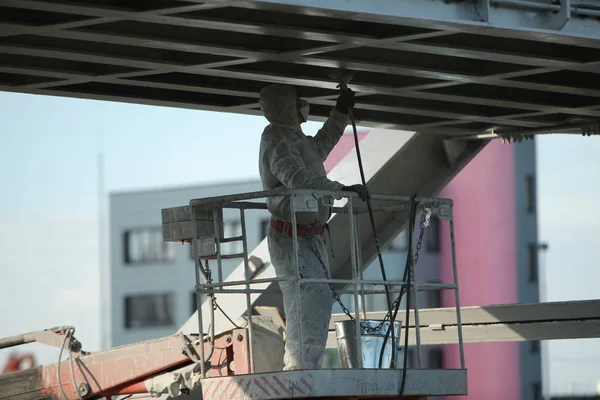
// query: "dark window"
[[433, 235], [149, 311], [194, 302], [264, 224], [532, 263], [530, 199], [536, 391], [436, 358], [534, 346], [146, 245]]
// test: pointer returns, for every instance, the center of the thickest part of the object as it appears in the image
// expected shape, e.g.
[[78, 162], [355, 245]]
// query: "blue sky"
[[48, 210]]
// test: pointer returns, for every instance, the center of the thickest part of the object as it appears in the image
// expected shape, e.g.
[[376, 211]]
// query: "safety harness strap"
[[284, 227]]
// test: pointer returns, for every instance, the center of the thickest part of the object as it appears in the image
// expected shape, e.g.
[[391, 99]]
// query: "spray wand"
[[343, 84]]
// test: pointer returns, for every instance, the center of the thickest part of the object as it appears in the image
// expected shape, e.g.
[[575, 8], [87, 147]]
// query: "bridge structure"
[[454, 73]]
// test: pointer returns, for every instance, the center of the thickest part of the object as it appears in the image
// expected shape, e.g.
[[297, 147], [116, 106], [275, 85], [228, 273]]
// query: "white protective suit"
[[290, 159]]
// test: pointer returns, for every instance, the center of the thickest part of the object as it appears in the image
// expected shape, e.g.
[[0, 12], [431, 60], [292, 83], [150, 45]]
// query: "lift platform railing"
[[208, 237]]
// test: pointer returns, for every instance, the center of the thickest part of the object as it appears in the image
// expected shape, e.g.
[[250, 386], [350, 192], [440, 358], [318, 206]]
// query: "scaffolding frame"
[[207, 240]]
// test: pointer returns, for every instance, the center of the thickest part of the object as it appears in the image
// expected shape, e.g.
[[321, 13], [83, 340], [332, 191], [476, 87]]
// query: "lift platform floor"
[[338, 383], [451, 67]]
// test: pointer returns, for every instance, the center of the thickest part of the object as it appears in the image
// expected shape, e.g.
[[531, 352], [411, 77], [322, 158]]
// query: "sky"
[[49, 256]]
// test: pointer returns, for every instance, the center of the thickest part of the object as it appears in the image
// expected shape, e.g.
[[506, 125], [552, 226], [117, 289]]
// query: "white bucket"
[[371, 343]]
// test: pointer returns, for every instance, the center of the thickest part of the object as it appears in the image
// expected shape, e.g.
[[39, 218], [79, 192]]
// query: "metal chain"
[[211, 294], [425, 219], [208, 276]]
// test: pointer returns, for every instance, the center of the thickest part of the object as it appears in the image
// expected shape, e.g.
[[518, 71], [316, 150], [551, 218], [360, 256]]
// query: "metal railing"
[[207, 237]]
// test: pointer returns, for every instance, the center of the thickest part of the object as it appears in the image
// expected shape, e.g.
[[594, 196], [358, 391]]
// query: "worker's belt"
[[284, 227]]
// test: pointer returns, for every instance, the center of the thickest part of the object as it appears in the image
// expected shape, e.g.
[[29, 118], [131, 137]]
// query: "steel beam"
[[454, 63], [498, 79], [164, 17], [510, 332], [499, 21], [145, 79], [499, 323], [122, 79]]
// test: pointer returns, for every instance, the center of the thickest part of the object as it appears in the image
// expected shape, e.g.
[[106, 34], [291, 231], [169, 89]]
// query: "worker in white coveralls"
[[290, 159]]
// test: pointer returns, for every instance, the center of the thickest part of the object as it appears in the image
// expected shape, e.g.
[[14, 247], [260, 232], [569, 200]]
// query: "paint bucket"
[[370, 342]]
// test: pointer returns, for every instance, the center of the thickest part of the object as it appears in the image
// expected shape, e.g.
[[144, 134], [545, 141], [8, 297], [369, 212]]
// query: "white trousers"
[[315, 299]]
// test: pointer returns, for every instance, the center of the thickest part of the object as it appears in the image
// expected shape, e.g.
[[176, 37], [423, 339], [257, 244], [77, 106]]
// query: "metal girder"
[[163, 18], [504, 19], [448, 67], [499, 323]]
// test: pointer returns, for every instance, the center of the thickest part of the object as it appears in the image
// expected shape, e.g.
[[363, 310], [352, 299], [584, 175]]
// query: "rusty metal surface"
[[123, 369]]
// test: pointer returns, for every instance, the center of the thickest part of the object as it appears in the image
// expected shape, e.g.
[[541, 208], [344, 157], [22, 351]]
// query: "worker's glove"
[[362, 191], [345, 101]]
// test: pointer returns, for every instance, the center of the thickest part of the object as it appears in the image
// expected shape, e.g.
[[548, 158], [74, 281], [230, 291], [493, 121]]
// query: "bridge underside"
[[450, 67]]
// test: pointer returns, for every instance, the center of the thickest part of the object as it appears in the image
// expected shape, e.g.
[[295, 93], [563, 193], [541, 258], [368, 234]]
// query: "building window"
[[532, 263], [534, 346], [536, 391], [146, 245], [530, 199], [400, 242], [264, 225], [194, 302], [436, 358], [432, 239], [149, 311]]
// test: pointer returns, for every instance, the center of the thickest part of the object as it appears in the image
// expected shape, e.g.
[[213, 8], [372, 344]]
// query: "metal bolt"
[[239, 337], [76, 345], [84, 389]]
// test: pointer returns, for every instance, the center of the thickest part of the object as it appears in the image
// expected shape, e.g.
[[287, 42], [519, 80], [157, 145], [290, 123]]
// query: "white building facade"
[[151, 282]]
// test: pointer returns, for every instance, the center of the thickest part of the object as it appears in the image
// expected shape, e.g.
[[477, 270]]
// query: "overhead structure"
[[451, 67]]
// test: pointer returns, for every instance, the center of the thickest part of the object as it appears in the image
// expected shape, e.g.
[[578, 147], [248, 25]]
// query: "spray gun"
[[342, 77]]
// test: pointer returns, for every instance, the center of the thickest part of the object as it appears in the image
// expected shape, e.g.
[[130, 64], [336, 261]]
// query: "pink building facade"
[[490, 209]]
